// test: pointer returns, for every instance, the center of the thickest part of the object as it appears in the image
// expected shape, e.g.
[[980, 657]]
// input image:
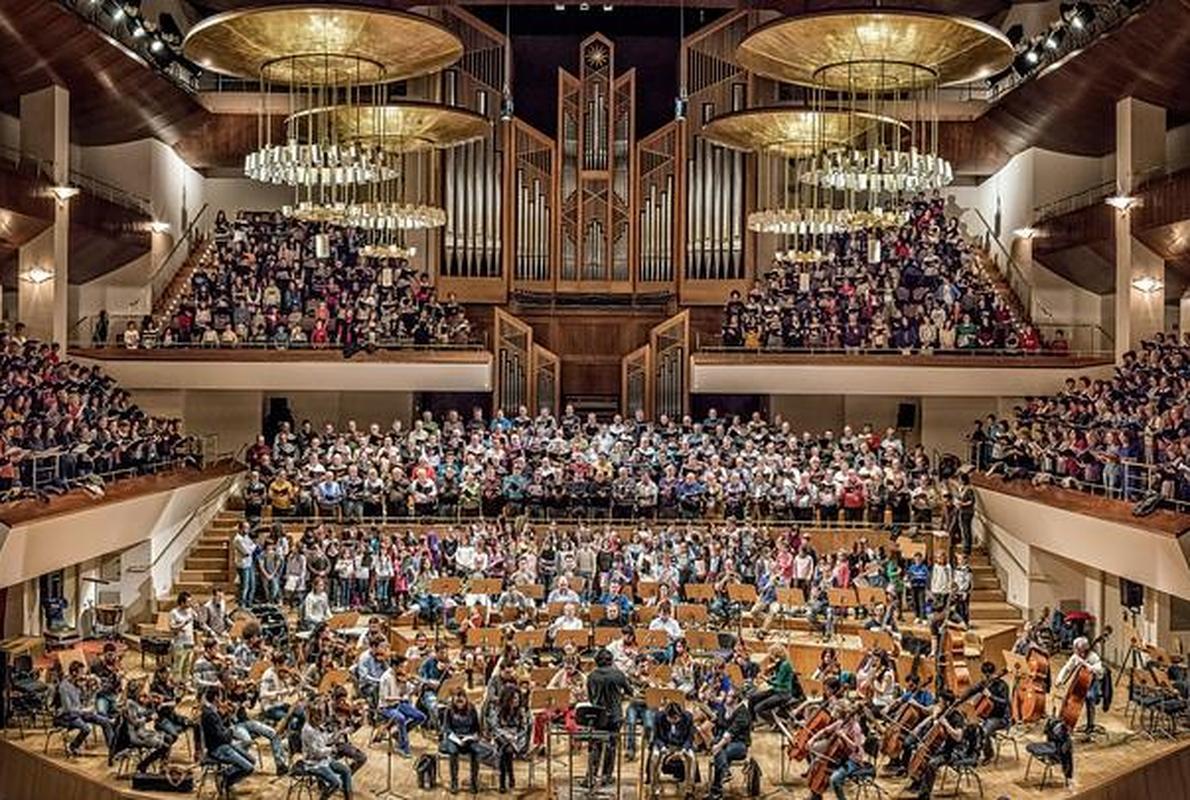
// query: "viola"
[[799, 748]]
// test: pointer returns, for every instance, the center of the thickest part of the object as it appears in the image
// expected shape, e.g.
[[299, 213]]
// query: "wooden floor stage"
[[1117, 768]]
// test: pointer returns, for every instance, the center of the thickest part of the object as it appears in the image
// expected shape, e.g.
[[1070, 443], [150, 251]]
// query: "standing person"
[[245, 551], [961, 582], [460, 736], [1084, 656], [607, 686], [940, 583], [181, 626], [271, 564], [918, 573], [964, 501], [732, 743]]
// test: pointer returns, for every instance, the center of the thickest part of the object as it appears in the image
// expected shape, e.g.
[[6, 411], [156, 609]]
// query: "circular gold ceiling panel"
[[405, 127], [792, 131], [875, 50], [321, 44]]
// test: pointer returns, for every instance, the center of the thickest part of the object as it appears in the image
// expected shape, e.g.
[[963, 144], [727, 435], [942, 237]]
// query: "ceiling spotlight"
[[559, 7], [681, 107], [608, 7], [37, 275], [1055, 36], [1148, 284], [506, 107], [584, 6], [118, 14], [156, 46], [138, 30], [1032, 56], [64, 193]]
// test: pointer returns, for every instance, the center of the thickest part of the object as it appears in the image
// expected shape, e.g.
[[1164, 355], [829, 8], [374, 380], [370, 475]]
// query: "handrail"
[[1097, 193], [110, 192], [156, 282], [224, 485], [1012, 273]]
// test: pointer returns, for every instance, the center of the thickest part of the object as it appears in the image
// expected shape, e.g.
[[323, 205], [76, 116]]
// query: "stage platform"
[[1119, 767]]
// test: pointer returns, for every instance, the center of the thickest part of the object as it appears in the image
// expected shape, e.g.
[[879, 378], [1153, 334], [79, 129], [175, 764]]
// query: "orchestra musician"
[[950, 727], [509, 724], [395, 704], [165, 696], [371, 666], [731, 743], [138, 714], [209, 667], [76, 708], [239, 695], [999, 715], [783, 687], [111, 680], [672, 749], [219, 743], [848, 732], [433, 670], [345, 718], [274, 690], [319, 755], [1085, 656], [212, 616]]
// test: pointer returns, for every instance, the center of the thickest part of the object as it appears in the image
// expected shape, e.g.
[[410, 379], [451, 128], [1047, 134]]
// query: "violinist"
[[111, 680], [345, 718], [432, 671], [218, 741], [395, 704], [995, 689], [208, 667], [245, 729], [1085, 656], [319, 755], [732, 743], [138, 713], [75, 712], [783, 687], [875, 679], [273, 689], [847, 733], [165, 696]]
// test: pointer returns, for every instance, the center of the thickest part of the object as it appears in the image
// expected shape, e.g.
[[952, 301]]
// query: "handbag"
[[173, 779]]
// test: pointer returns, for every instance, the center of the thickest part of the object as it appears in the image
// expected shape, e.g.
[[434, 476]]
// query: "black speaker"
[[1132, 595], [906, 416]]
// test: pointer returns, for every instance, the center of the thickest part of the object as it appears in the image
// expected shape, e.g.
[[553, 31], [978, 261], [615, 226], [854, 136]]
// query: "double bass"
[[1080, 685], [1029, 693]]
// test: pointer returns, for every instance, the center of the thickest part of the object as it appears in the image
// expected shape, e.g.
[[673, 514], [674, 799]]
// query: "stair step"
[[203, 588], [206, 564], [210, 575], [981, 595], [994, 610]]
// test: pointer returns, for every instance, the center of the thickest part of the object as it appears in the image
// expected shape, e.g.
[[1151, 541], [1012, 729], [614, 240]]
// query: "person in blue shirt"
[[918, 574], [690, 493], [329, 496]]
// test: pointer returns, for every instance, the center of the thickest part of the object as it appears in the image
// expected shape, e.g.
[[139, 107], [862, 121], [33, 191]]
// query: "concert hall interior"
[[651, 398]]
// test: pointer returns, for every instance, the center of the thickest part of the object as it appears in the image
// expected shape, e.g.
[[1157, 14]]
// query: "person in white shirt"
[[318, 753], [245, 549], [273, 690], [181, 625], [940, 582], [569, 621], [1084, 657], [316, 608], [664, 621], [395, 704]]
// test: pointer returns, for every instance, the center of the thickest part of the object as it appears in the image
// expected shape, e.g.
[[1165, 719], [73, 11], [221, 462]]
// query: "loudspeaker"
[[906, 416], [1132, 595]]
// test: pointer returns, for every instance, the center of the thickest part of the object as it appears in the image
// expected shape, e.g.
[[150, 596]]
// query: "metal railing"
[[1012, 273], [95, 187], [1131, 482], [1092, 195], [119, 322]]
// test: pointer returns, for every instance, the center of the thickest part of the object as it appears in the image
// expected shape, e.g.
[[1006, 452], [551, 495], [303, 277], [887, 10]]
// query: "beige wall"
[[35, 302], [240, 194]]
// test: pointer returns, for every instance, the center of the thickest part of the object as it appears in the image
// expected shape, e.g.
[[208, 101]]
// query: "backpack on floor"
[[752, 777], [426, 768]]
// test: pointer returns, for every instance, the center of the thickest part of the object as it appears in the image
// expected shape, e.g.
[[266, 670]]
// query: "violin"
[[1080, 685]]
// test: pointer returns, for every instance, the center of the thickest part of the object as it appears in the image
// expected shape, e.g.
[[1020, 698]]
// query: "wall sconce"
[[37, 275], [1147, 284], [1123, 202], [158, 226], [64, 193], [1027, 232]]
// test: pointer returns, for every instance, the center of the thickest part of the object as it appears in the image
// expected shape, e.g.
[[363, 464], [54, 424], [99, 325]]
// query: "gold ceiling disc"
[[792, 131], [872, 50], [404, 127], [321, 44]]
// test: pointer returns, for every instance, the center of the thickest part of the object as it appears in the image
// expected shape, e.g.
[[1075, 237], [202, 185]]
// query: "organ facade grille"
[[533, 195]]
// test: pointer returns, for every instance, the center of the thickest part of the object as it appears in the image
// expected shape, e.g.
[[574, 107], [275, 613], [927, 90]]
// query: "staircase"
[[208, 562], [989, 605]]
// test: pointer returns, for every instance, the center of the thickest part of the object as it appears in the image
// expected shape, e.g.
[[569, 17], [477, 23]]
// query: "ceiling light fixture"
[[64, 193], [1123, 202], [1027, 232], [1148, 284], [158, 226]]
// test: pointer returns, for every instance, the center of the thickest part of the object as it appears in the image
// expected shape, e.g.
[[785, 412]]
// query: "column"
[[43, 285], [1184, 314], [1140, 273]]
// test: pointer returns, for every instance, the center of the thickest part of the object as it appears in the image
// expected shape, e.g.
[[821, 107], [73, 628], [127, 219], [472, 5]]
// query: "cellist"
[[846, 735], [946, 724], [999, 717], [1085, 656]]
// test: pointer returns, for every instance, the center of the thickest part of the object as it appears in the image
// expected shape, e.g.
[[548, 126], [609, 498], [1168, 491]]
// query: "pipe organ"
[[656, 200], [472, 257], [533, 176]]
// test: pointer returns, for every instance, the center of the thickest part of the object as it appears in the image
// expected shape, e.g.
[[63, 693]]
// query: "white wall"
[[10, 132], [240, 194]]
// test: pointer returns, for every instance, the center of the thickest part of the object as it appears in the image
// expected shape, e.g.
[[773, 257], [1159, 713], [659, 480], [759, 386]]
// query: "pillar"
[[1140, 147], [1184, 314], [43, 277]]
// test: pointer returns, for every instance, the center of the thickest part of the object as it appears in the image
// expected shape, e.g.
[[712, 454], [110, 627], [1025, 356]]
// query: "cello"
[[1080, 685], [900, 723], [930, 745], [799, 747], [834, 754]]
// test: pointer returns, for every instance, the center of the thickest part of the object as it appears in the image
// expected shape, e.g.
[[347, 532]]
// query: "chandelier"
[[886, 64], [316, 56]]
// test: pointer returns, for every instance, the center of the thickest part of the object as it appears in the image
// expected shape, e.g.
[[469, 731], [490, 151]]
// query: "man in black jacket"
[[733, 742], [217, 740], [673, 747], [606, 688], [993, 687]]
